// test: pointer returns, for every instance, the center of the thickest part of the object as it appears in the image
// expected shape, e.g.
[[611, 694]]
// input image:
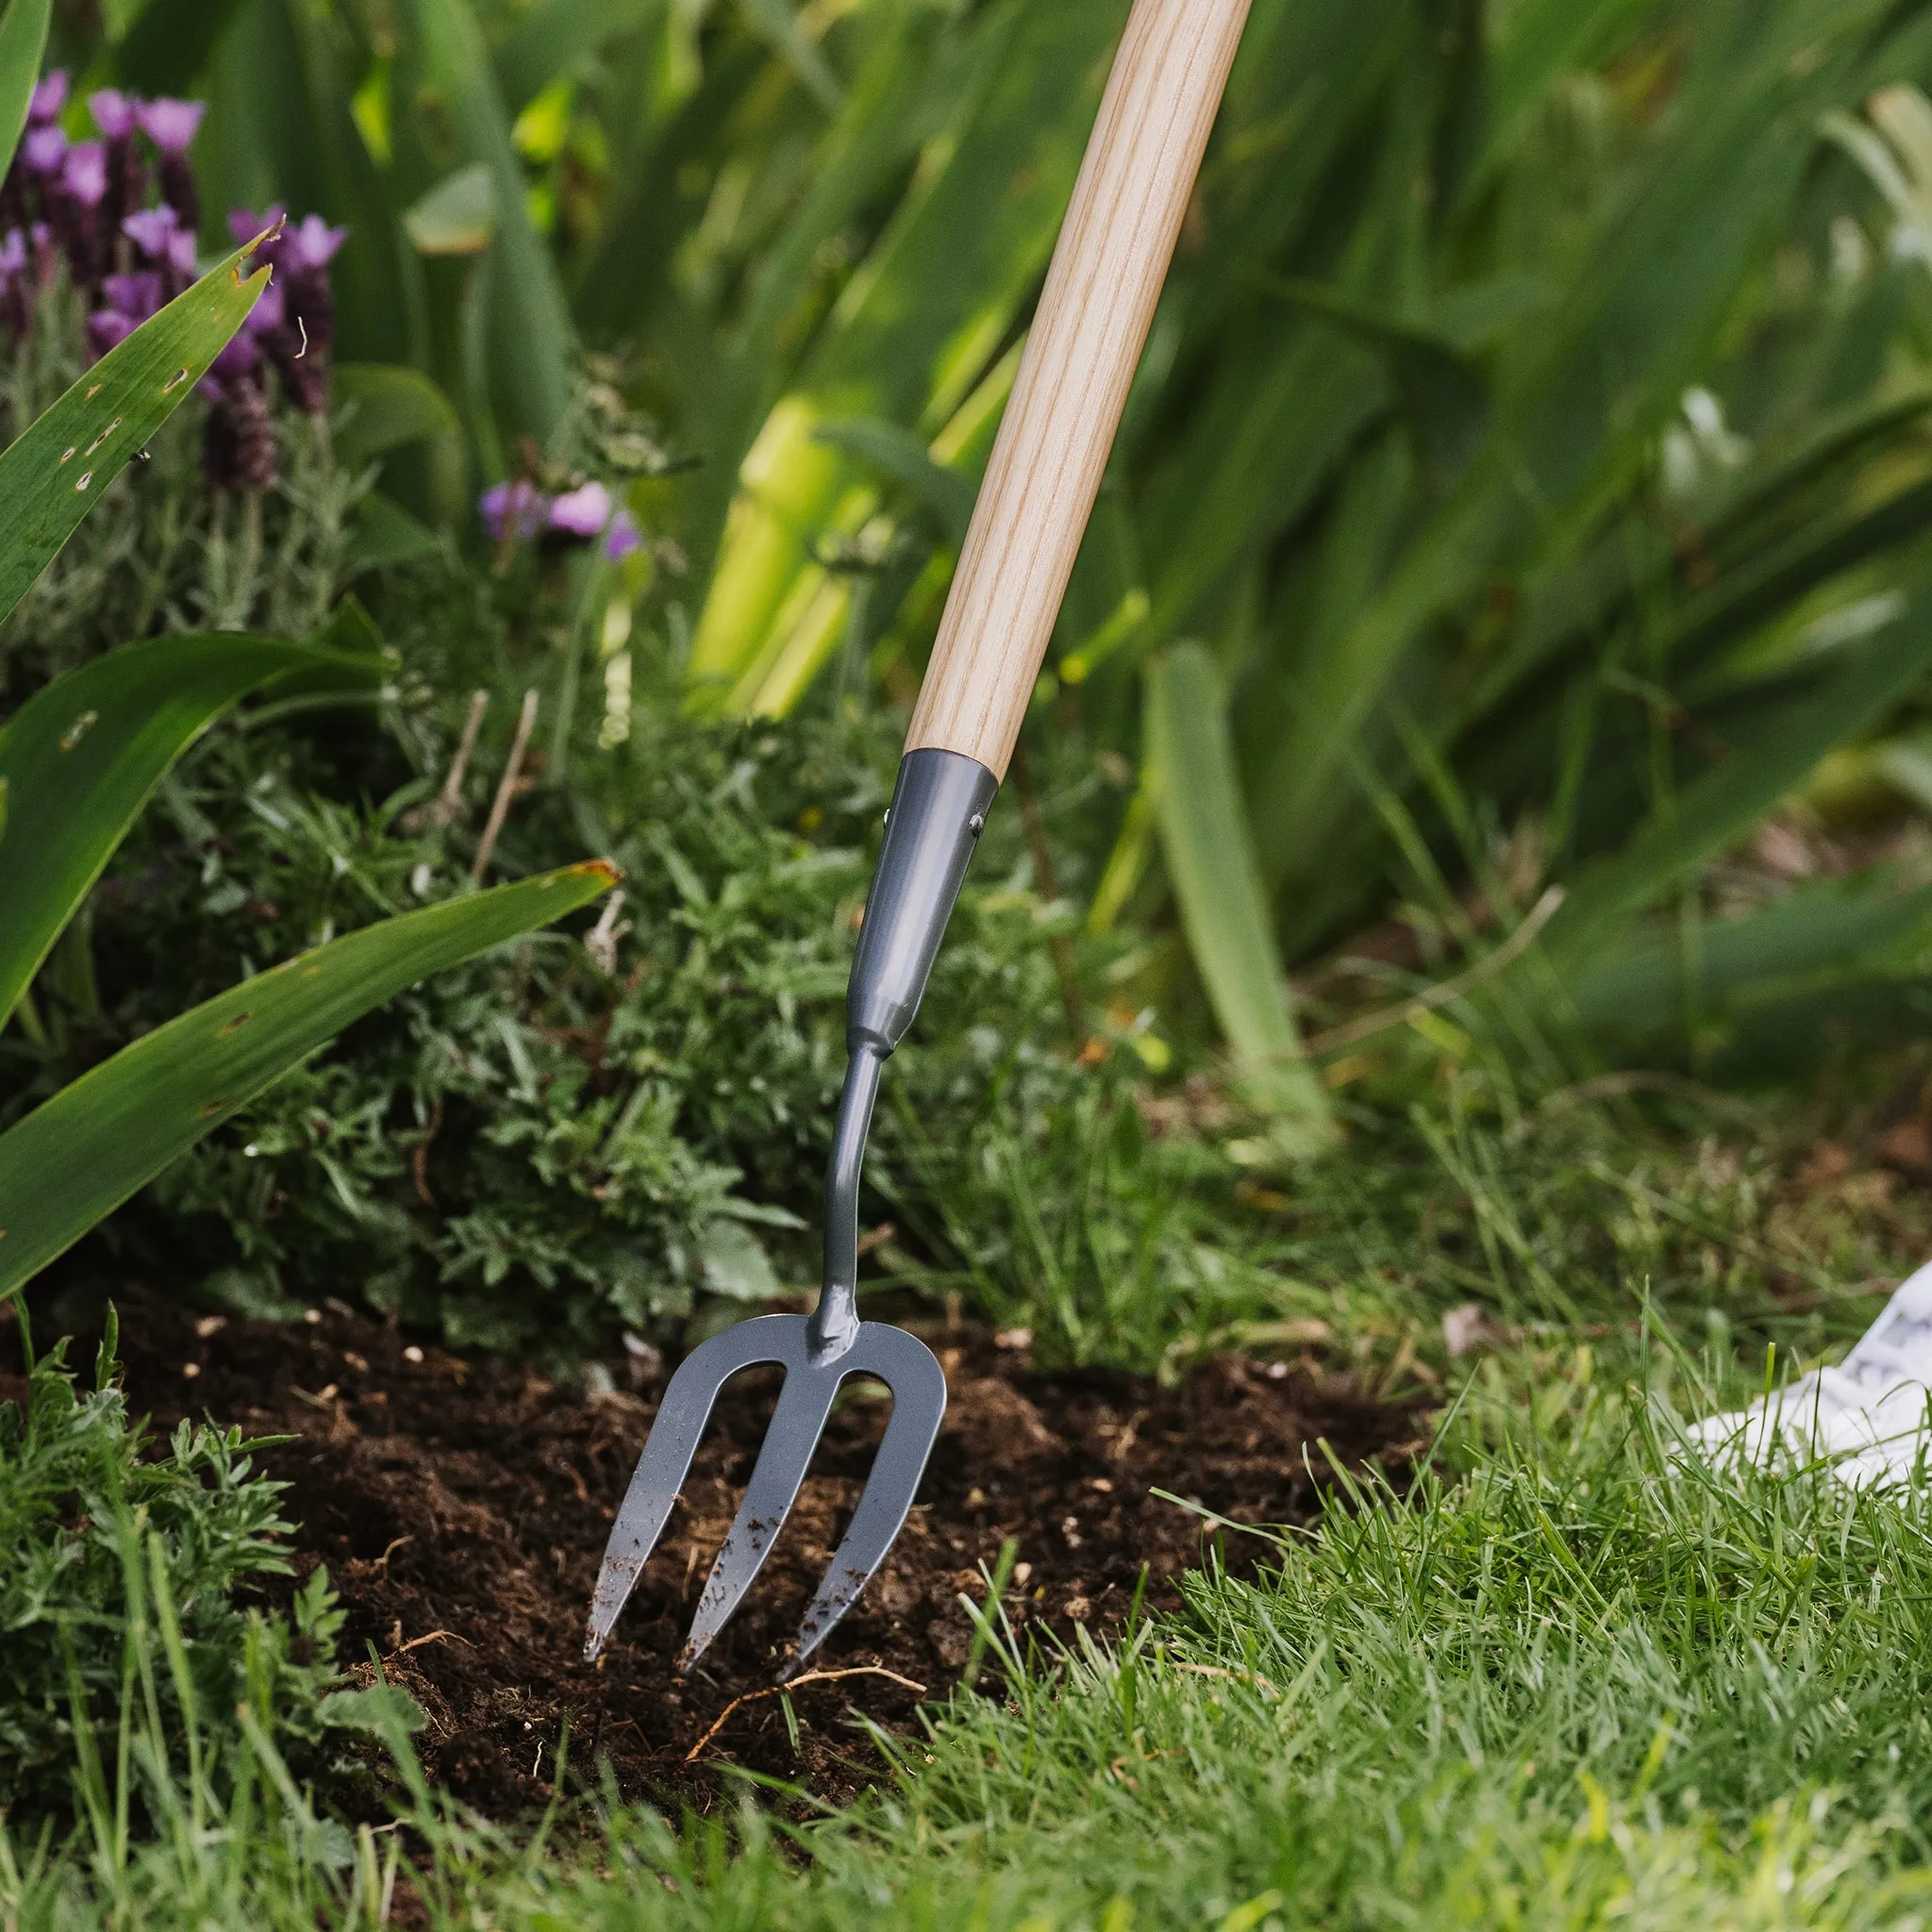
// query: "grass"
[[1568, 1677]]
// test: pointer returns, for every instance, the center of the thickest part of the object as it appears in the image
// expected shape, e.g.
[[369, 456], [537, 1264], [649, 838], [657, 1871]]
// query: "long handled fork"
[[1060, 426]]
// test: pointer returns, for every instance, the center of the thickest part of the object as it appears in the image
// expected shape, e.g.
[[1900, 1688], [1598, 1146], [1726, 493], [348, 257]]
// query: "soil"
[[462, 1509]]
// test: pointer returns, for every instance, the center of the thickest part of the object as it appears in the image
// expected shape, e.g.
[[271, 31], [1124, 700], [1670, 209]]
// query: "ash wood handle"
[[1087, 338]]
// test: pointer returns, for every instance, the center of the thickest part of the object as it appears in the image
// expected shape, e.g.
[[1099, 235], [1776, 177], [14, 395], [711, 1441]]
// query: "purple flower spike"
[[584, 512], [114, 113], [513, 509], [240, 354], [12, 255], [48, 99], [44, 150], [171, 126], [245, 224], [107, 329], [84, 174], [137, 295], [313, 243], [151, 231], [269, 311], [623, 538]]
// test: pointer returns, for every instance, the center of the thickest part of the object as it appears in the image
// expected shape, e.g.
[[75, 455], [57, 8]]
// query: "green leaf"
[[1785, 742], [22, 41], [1210, 860], [80, 1154], [79, 758], [386, 534], [900, 456], [393, 405], [455, 217], [60, 467], [527, 322]]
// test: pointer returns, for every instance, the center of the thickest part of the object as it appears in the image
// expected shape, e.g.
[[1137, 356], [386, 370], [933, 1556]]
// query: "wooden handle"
[[1087, 338]]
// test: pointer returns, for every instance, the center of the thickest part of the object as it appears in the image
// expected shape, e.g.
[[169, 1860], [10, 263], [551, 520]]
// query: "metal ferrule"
[[937, 813]]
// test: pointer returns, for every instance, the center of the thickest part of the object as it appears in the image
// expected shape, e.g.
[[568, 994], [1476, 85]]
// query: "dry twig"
[[690, 1756], [506, 789]]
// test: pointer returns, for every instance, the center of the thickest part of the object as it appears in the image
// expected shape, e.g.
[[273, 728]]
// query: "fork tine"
[[803, 1405], [666, 1461], [909, 1369]]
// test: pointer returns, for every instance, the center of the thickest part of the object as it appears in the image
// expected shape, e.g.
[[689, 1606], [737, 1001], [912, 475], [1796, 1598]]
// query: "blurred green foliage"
[[1534, 427]]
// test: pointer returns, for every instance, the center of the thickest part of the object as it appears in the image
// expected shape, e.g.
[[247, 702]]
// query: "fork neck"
[[937, 813]]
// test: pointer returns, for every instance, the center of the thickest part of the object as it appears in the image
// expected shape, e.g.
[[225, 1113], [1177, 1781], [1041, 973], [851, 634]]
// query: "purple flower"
[[181, 253], [44, 149], [114, 113], [12, 255], [171, 126], [137, 296], [584, 512], [516, 508], [84, 175], [313, 244], [106, 329], [623, 538], [269, 311], [245, 226], [239, 358], [151, 231], [48, 99]]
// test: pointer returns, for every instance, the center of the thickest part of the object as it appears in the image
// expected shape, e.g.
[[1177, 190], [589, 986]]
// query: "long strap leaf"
[[22, 41], [1210, 860], [79, 760], [60, 467], [78, 1157]]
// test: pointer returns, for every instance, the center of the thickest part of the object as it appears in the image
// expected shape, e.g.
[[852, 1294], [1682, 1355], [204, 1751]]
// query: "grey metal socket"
[[937, 813], [939, 810]]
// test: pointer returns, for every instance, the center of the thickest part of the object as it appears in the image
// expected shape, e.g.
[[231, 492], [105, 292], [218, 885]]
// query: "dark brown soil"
[[462, 1510]]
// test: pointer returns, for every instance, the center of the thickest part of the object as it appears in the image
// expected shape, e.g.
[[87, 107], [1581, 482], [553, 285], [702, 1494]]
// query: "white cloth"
[[1868, 1415]]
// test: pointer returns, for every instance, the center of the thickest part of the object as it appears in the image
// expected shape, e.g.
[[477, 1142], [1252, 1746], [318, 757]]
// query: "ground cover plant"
[[1505, 613]]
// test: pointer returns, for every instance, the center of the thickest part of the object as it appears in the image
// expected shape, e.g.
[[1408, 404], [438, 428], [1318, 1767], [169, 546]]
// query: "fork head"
[[812, 1378]]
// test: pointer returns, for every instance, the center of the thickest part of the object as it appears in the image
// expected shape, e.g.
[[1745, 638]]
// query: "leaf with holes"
[[56, 471], [77, 1157]]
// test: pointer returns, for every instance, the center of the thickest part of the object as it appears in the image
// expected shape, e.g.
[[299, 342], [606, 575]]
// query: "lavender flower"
[[171, 126], [48, 98], [44, 150], [115, 113], [623, 539], [513, 509], [583, 513], [151, 229], [16, 292], [302, 345], [238, 445], [272, 222], [106, 329], [84, 174], [137, 296]]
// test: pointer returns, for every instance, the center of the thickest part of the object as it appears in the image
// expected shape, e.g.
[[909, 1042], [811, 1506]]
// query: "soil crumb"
[[462, 1509]]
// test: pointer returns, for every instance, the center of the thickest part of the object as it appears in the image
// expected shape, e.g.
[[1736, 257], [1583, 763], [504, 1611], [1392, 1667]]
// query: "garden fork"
[[1045, 471]]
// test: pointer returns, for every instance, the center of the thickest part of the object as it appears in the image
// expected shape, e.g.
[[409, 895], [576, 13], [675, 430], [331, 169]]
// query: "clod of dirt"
[[463, 1509]]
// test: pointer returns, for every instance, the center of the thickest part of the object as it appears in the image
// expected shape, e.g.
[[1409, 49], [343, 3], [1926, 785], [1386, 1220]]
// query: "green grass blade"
[[78, 761], [60, 467], [22, 41], [80, 1154], [1210, 860]]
